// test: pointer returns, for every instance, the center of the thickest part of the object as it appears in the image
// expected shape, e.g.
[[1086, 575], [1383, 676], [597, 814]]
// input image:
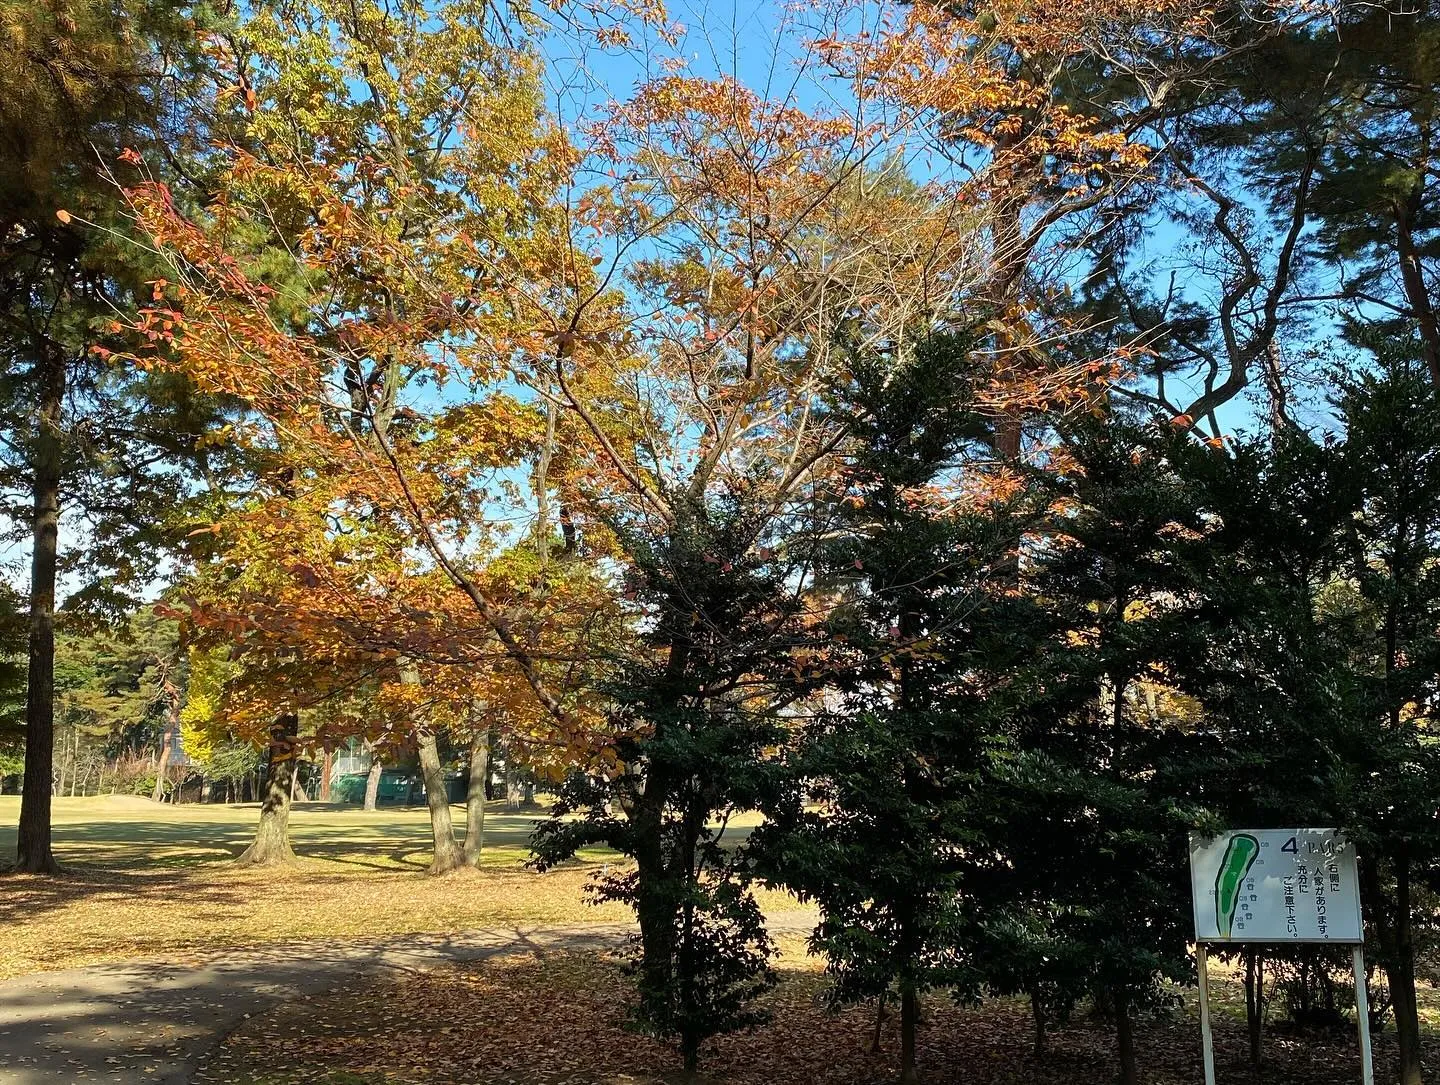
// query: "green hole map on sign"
[[1240, 856]]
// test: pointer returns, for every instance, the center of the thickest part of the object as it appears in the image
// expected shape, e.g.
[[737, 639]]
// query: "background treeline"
[[992, 476]]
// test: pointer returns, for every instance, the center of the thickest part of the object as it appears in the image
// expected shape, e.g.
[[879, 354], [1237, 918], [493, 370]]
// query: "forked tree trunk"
[[448, 855], [33, 849], [475, 796], [272, 837]]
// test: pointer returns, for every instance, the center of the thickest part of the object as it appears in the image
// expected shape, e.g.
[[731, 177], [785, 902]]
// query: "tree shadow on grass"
[[28, 898], [144, 880]]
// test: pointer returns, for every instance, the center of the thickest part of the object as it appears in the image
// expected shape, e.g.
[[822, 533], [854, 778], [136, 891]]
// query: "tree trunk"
[[655, 913], [1412, 278], [909, 1015], [163, 765], [475, 796], [879, 1024], [1037, 1018], [272, 838], [448, 855], [447, 852], [33, 848], [512, 783], [1254, 1002], [326, 766], [692, 1031], [490, 740], [1125, 1040], [1391, 923], [1401, 973], [372, 781]]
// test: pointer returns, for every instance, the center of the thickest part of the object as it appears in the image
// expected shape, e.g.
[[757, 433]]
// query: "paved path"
[[154, 1021]]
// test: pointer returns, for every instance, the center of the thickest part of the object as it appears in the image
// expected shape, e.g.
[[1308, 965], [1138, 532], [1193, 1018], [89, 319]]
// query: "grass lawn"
[[145, 880]]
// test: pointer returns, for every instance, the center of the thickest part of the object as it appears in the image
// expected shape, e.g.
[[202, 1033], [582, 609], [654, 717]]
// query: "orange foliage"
[[416, 396]]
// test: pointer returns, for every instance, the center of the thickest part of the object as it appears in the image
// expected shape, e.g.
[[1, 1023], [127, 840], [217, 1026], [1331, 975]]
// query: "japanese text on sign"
[[1275, 885]]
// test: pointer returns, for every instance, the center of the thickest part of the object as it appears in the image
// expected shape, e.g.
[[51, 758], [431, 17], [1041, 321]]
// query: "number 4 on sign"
[[1241, 891]]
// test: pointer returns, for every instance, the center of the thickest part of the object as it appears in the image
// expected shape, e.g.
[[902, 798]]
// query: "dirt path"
[[154, 1021]]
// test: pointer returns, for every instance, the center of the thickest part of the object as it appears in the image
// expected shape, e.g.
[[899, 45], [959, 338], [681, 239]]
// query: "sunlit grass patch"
[[145, 880]]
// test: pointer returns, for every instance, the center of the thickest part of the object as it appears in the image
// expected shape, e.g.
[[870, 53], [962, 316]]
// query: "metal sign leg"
[[1207, 1046], [1362, 1014]]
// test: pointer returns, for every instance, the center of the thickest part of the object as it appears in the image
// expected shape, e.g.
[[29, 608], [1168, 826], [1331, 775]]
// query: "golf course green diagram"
[[1275, 885], [1240, 856]]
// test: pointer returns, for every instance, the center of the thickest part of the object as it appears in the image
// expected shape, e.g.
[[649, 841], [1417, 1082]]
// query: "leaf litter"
[[558, 1018]]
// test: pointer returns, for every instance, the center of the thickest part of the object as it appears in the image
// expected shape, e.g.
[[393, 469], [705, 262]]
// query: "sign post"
[[1277, 885], [1207, 1045], [1362, 1011]]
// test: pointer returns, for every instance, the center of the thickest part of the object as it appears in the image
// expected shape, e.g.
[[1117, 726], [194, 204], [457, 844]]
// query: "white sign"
[[1275, 885]]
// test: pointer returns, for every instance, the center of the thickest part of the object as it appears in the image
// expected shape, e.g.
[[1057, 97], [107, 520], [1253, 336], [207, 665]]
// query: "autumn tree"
[[670, 301], [760, 244], [1067, 119], [347, 349]]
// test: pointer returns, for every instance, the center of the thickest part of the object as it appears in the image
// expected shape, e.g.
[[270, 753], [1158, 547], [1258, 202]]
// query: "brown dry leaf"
[[558, 1019]]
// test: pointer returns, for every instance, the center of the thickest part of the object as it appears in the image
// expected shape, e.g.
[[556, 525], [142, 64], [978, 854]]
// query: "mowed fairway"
[[144, 880], [125, 831]]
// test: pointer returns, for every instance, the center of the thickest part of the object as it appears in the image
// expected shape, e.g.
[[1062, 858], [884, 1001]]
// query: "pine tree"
[[1387, 605], [83, 82], [1091, 808]]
